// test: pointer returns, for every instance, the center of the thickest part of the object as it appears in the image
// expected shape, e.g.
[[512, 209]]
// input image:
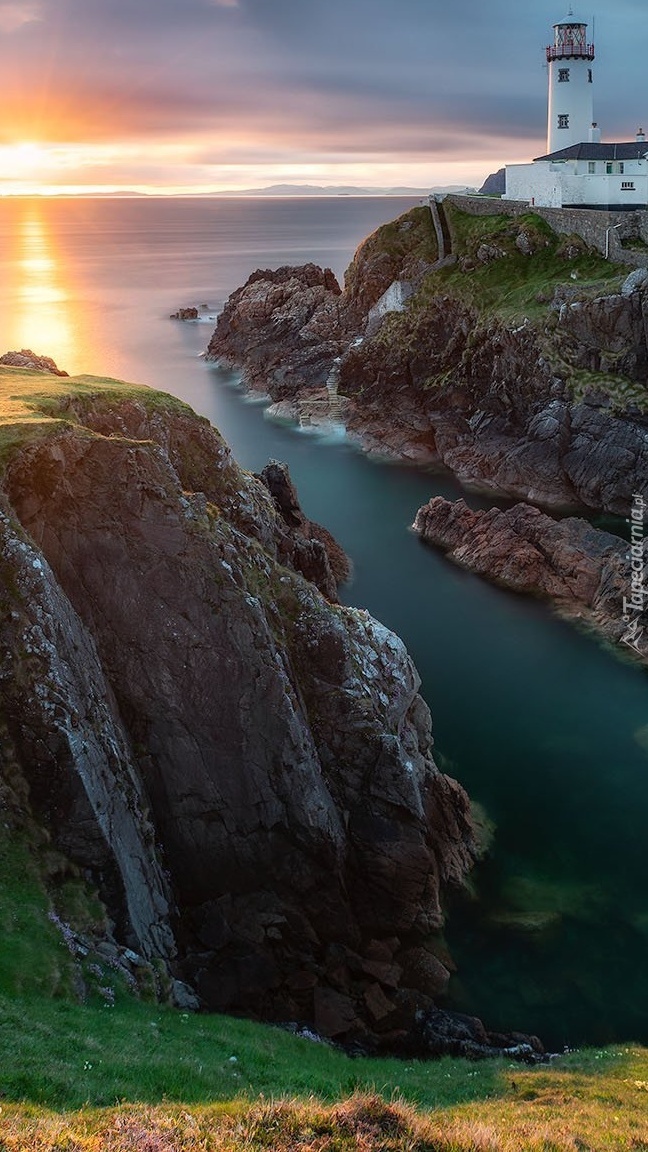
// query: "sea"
[[545, 727]]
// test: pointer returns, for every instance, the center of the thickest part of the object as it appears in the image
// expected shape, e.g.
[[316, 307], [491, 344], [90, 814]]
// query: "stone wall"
[[393, 300], [590, 224]]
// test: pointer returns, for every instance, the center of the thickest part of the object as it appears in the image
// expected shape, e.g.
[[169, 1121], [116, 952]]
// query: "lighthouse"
[[579, 170], [570, 108]]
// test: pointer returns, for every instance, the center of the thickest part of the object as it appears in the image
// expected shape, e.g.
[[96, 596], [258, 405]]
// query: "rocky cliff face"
[[586, 573], [285, 327], [244, 767], [551, 407]]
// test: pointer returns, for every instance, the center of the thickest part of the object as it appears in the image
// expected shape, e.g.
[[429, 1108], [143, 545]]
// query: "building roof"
[[633, 150], [570, 19]]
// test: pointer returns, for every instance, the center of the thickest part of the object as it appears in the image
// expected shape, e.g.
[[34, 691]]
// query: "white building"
[[578, 170]]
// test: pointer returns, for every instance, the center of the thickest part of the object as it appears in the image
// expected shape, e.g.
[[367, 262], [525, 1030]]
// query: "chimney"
[[595, 133]]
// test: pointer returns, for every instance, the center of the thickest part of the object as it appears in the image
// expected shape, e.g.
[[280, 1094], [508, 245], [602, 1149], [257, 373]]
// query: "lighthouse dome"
[[570, 20]]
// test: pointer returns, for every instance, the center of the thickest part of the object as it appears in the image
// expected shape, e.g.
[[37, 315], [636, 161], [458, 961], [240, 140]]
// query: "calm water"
[[547, 731]]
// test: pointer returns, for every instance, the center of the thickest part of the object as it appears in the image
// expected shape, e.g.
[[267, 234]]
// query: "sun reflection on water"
[[42, 300]]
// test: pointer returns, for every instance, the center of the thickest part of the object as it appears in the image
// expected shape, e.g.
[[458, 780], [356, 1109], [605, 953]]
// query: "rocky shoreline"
[[587, 574], [550, 410]]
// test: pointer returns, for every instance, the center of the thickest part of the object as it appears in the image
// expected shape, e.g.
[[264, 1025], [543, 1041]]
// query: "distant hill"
[[337, 190], [495, 184]]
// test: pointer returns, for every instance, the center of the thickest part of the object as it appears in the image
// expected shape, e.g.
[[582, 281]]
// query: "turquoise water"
[[545, 728]]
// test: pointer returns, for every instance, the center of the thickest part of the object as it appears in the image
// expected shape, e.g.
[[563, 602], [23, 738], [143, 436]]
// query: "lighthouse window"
[[563, 121], [589, 75], [563, 75]]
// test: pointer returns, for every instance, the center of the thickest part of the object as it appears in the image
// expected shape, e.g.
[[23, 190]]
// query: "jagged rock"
[[584, 571], [286, 325], [461, 1035], [422, 969], [635, 281], [524, 243], [175, 688], [185, 314], [486, 253], [183, 997], [28, 359], [66, 729], [308, 547]]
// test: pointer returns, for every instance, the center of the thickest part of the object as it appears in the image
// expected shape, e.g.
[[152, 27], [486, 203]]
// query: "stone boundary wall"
[[590, 224], [434, 209]]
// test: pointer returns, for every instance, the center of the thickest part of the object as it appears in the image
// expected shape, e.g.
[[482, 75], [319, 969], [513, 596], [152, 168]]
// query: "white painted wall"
[[561, 185], [538, 183], [603, 190], [572, 98]]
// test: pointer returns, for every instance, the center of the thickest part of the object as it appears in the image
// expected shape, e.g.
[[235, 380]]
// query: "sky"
[[216, 95]]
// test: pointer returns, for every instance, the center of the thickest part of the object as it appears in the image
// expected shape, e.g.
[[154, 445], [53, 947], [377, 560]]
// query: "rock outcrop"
[[553, 409], [242, 767], [586, 573], [285, 327], [28, 359]]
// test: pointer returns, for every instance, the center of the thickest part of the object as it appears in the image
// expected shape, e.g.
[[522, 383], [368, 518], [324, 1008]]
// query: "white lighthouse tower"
[[571, 105]]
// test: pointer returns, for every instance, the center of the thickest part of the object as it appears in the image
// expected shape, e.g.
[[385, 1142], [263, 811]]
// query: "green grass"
[[398, 247], [621, 391], [33, 404], [515, 285], [95, 1078], [62, 1054], [242, 1086], [32, 960]]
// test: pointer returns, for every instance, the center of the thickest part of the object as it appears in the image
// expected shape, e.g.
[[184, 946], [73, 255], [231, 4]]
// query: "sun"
[[29, 166], [27, 158]]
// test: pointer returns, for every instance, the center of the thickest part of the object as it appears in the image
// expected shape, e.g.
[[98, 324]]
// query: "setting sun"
[[26, 159]]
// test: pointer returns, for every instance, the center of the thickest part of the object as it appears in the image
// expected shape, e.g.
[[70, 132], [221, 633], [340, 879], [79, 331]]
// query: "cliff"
[[519, 362], [240, 765]]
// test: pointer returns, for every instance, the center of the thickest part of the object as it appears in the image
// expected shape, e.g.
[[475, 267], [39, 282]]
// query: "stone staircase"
[[323, 412]]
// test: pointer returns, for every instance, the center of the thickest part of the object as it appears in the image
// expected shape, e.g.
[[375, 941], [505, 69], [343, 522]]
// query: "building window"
[[563, 75], [563, 121], [609, 168], [589, 75], [627, 185], [621, 167], [591, 167]]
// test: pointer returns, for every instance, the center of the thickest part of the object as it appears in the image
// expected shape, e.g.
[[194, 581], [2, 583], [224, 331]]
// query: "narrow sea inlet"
[[546, 729]]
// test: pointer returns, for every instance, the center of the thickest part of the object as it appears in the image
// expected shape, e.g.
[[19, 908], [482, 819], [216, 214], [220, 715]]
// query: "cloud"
[[339, 81], [14, 14]]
